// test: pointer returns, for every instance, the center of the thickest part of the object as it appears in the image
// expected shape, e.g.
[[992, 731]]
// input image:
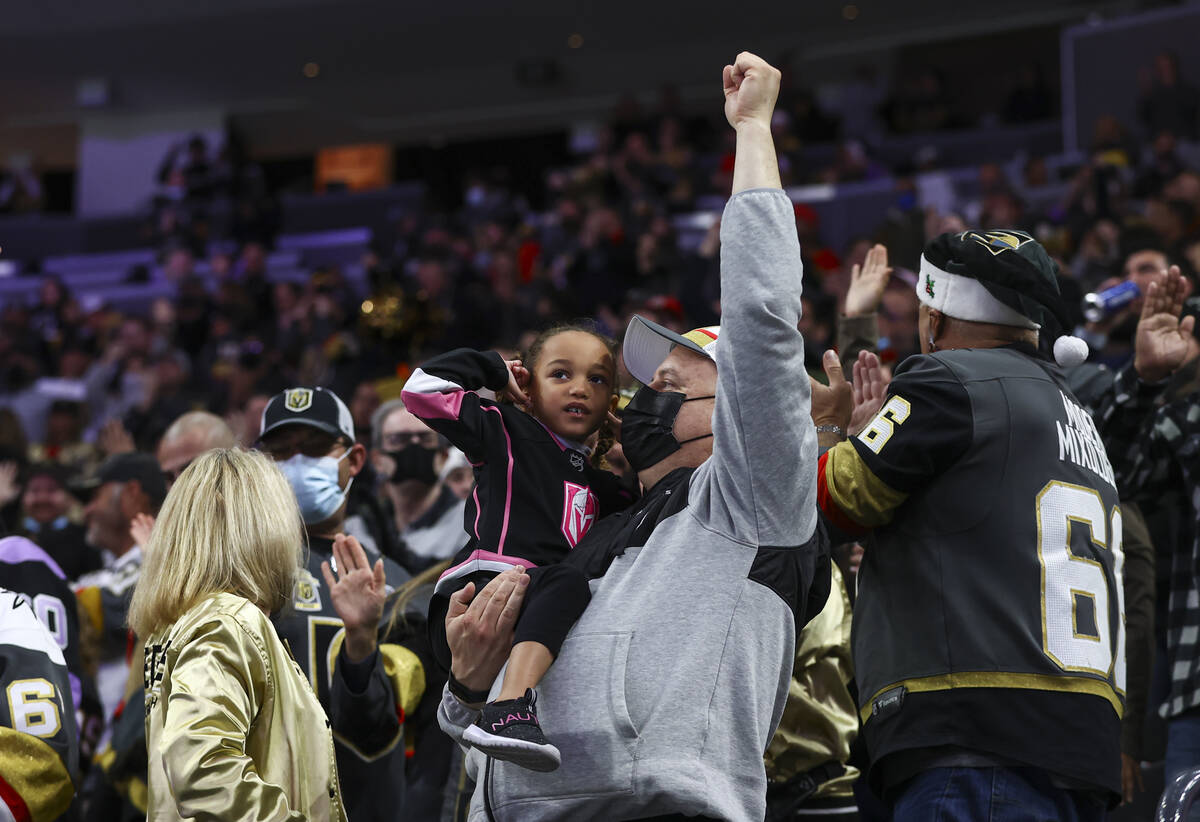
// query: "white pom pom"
[[1070, 351]]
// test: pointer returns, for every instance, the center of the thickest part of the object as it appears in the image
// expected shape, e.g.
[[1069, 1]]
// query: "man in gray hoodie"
[[670, 686]]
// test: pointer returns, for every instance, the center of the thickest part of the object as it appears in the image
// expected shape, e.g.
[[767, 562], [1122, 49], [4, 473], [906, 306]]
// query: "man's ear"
[[134, 500], [357, 458], [937, 324]]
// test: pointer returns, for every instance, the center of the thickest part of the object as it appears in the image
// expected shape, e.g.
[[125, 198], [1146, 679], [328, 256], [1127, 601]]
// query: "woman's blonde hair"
[[229, 524]]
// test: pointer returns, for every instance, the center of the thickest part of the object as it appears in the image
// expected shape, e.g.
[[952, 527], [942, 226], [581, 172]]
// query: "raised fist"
[[751, 86]]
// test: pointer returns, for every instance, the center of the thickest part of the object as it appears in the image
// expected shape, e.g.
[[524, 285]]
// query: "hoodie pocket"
[[586, 717]]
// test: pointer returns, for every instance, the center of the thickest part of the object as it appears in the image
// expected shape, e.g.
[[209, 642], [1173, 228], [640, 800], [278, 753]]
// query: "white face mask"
[[314, 481]]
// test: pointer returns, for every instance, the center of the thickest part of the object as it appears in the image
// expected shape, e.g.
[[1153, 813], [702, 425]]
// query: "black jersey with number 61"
[[990, 615]]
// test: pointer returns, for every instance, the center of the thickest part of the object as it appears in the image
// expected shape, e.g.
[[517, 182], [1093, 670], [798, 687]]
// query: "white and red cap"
[[647, 344]]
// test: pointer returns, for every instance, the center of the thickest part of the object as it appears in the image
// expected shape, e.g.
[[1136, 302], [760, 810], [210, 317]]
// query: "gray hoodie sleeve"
[[759, 486]]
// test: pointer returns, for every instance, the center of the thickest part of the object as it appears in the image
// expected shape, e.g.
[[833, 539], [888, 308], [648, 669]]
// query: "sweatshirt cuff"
[[357, 675], [497, 371], [760, 190], [1131, 389], [864, 326]]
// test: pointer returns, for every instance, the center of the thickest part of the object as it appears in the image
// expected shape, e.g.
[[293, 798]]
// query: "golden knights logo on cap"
[[308, 592], [998, 241], [298, 399]]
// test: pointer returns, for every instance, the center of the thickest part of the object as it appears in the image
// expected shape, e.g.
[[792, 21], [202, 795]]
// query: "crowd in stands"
[[605, 245], [82, 384]]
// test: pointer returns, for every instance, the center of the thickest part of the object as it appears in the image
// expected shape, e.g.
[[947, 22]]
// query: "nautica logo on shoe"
[[529, 717]]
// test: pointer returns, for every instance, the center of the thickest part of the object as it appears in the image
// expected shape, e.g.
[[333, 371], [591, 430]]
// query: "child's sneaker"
[[509, 731]]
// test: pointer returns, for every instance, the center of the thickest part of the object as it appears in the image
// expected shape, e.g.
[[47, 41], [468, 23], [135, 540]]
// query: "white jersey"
[[39, 740]]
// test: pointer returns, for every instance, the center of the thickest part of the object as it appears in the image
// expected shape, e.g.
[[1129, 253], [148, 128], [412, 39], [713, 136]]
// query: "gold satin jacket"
[[820, 719], [233, 728]]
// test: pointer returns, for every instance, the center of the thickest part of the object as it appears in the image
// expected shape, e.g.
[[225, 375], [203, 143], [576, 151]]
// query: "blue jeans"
[[991, 795], [1183, 745], [1183, 751]]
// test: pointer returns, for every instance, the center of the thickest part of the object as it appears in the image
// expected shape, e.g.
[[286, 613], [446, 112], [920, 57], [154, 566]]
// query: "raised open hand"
[[358, 595], [140, 527], [1163, 341], [113, 438], [867, 283]]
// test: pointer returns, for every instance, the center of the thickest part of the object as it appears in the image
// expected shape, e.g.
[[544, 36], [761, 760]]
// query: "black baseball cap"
[[59, 473], [317, 407], [125, 467]]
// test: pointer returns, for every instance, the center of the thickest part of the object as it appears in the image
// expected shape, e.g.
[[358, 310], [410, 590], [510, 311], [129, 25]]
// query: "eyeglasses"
[[396, 440], [310, 444]]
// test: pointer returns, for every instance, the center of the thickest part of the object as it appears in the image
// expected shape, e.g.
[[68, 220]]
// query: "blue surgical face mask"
[[314, 481], [57, 524]]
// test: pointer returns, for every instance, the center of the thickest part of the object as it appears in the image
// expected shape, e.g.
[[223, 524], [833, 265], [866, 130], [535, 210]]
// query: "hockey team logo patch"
[[998, 242], [579, 511], [298, 399], [308, 594]]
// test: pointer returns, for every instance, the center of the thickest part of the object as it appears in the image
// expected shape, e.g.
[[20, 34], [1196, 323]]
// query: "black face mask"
[[647, 426], [413, 462]]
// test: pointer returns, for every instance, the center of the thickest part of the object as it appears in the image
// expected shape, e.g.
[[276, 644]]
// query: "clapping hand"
[[832, 403], [870, 390]]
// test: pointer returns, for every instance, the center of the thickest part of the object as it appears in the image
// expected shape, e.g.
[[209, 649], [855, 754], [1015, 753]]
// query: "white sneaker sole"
[[529, 755]]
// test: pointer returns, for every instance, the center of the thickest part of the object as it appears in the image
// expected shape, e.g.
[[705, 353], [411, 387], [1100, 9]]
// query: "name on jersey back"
[[1079, 442]]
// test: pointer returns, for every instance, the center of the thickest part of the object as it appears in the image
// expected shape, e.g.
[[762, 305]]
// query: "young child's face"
[[572, 384]]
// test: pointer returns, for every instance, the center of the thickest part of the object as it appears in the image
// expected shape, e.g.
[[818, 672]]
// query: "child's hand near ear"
[[518, 379]]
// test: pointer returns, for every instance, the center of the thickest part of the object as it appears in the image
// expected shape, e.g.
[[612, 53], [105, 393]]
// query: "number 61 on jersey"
[[1077, 603]]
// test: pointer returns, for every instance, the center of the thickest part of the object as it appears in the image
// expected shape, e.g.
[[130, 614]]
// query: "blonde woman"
[[233, 729]]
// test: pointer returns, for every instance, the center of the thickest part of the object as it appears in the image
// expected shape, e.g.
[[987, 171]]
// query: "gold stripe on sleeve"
[[855, 489], [89, 601], [34, 770]]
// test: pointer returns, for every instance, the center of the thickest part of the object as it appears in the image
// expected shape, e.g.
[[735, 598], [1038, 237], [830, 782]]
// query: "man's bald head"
[[189, 437]]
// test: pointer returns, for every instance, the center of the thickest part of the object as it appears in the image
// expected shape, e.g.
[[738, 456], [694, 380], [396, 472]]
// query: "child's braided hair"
[[529, 358]]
